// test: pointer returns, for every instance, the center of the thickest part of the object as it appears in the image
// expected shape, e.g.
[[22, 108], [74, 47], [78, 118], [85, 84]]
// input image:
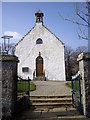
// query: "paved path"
[[53, 88], [46, 88]]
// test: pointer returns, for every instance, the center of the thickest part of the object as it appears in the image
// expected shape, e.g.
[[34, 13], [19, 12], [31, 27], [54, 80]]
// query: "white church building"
[[41, 54]]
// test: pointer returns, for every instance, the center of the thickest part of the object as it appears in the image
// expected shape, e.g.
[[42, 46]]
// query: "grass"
[[32, 86], [75, 85], [68, 84], [24, 86]]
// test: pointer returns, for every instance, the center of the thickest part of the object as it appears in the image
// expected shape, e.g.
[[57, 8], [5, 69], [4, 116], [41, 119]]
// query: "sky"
[[19, 17]]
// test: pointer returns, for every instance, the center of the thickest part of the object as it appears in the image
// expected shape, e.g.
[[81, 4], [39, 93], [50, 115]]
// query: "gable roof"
[[53, 34], [25, 35], [33, 28]]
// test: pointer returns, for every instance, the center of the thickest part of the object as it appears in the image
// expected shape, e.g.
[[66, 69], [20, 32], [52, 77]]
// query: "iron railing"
[[76, 92], [23, 87]]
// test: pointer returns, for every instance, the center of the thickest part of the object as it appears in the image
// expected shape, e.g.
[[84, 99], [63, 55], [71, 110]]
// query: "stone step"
[[50, 105], [45, 97], [42, 115], [59, 109], [52, 100], [60, 118], [40, 78], [55, 118]]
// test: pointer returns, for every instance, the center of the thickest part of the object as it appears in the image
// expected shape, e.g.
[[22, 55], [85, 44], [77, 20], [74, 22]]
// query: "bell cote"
[[39, 16]]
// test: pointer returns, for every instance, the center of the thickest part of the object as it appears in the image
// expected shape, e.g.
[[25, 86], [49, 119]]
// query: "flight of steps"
[[40, 78], [53, 108]]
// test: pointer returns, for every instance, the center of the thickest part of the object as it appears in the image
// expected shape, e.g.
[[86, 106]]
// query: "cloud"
[[16, 36]]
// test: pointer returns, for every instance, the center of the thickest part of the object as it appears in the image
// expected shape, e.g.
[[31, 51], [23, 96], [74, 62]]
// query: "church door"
[[39, 66]]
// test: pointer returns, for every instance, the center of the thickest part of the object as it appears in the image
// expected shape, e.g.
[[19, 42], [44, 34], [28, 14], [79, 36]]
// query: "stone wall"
[[0, 90], [84, 67], [9, 84]]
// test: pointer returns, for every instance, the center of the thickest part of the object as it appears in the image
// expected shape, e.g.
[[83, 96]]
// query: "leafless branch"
[[76, 22], [73, 21], [82, 37], [83, 18], [83, 22]]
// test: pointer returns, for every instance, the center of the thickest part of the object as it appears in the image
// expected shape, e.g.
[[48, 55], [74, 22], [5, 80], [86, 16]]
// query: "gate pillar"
[[9, 84], [84, 68]]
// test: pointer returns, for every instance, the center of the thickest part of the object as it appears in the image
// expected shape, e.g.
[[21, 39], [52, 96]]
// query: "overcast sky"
[[18, 18]]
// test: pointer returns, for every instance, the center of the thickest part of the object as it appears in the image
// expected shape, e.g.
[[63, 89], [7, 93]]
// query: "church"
[[41, 53]]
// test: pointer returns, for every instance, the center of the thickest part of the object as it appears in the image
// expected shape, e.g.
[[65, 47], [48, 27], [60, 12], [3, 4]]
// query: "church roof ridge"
[[25, 35], [53, 34]]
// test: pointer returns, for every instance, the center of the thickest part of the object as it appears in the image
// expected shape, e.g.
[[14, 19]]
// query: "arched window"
[[39, 41]]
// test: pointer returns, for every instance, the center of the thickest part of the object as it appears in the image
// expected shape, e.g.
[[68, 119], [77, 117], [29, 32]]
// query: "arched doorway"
[[39, 66]]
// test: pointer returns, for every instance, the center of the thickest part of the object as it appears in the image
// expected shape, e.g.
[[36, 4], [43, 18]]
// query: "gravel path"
[[53, 88]]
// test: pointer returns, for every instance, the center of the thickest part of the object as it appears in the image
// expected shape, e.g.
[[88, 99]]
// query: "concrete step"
[[59, 109], [51, 104], [40, 78], [60, 118], [51, 115], [48, 102], [45, 97], [43, 106], [53, 108], [52, 100], [55, 118]]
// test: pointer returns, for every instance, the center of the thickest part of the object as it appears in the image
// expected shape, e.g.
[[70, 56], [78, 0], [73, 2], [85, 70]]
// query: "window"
[[39, 41], [25, 69]]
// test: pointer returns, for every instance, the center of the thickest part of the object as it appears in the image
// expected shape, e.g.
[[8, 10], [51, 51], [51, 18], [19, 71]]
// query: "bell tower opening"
[[39, 16]]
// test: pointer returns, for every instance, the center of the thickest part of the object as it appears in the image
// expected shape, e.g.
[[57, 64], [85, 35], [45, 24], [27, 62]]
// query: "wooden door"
[[39, 66]]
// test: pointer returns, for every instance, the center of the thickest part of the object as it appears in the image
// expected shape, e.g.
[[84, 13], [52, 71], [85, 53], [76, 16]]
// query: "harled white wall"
[[52, 51]]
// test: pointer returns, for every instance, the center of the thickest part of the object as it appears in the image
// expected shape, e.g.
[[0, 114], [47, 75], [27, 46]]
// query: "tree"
[[82, 19], [68, 61], [77, 51], [83, 13], [71, 63], [81, 49]]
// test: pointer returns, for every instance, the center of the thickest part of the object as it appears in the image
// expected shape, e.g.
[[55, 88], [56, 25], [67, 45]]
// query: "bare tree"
[[82, 11], [71, 63], [68, 61], [81, 49], [77, 51]]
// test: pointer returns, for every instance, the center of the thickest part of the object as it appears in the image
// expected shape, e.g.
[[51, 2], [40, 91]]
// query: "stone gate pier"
[[84, 68], [9, 84]]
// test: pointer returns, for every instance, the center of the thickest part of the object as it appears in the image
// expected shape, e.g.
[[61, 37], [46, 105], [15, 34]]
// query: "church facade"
[[40, 53]]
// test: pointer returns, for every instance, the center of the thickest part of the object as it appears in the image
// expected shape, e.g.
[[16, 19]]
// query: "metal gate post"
[[80, 104], [72, 90], [28, 87]]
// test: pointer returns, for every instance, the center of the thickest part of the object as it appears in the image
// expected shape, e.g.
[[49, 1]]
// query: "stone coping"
[[8, 58], [84, 56]]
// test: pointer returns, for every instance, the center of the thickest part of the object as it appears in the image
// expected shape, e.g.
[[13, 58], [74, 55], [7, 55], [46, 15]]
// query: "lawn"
[[75, 85], [68, 84], [24, 86], [32, 86]]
